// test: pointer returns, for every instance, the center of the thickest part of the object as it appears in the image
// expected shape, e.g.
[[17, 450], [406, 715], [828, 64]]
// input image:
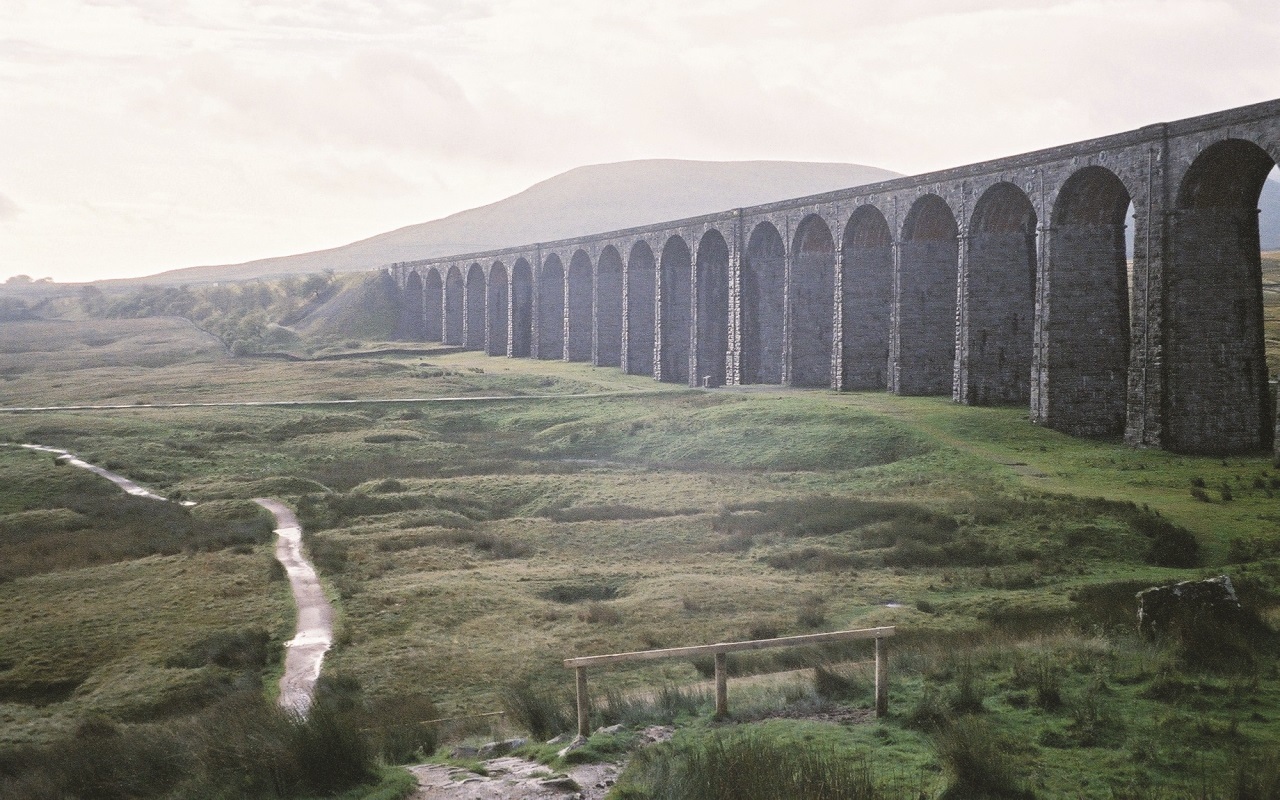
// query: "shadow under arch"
[[411, 323], [999, 301], [674, 291], [453, 302], [712, 311], [1081, 383], [641, 282], [866, 295], [1217, 400], [521, 309], [551, 309], [578, 291], [495, 343], [433, 306], [763, 303], [608, 309], [473, 318], [812, 303], [924, 352]]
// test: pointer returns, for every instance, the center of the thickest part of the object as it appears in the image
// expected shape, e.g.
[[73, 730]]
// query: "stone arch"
[[674, 281], [496, 310], [712, 313], [521, 309], [433, 306], [453, 306], [473, 304], [411, 309], [1082, 377], [998, 312], [640, 310], [1216, 394], [608, 309], [924, 352], [866, 294], [812, 303], [763, 303], [578, 291], [551, 308]]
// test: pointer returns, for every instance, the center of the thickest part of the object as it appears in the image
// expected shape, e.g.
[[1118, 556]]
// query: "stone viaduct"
[[1003, 282]]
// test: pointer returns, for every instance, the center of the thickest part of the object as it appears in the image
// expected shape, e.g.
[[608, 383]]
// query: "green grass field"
[[470, 547]]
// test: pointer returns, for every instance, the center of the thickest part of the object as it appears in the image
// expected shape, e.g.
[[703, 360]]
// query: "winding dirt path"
[[314, 634], [119, 480]]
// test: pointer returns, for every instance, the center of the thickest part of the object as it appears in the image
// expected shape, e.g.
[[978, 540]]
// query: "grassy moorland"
[[470, 547]]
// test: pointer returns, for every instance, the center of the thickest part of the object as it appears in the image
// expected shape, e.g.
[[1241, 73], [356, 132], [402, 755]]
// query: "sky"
[[138, 136]]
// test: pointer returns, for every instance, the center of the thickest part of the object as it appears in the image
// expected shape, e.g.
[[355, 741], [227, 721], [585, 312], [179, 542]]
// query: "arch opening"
[[608, 309], [812, 304], [1217, 398], [675, 275], [763, 299], [521, 309], [453, 306], [473, 319], [996, 349], [640, 310], [866, 295], [712, 288], [551, 309], [1082, 378], [411, 323], [578, 291], [433, 307], [496, 311], [924, 353]]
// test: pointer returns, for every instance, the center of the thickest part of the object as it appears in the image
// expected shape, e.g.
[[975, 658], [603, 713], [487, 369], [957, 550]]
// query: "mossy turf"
[[472, 546]]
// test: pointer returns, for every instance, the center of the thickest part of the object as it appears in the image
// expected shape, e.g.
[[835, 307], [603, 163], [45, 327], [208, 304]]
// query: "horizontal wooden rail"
[[721, 650], [729, 647]]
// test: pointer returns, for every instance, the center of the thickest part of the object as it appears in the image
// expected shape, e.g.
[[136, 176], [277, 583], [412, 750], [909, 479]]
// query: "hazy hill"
[[592, 199], [596, 199], [1269, 222]]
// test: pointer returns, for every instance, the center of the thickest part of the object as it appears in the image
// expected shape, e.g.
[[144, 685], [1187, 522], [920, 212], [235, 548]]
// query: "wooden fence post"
[[584, 723], [882, 678], [722, 685]]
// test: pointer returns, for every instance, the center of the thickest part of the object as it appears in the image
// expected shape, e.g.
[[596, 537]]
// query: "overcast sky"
[[144, 135]]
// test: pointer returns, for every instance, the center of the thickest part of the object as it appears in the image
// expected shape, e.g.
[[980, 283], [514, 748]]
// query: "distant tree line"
[[249, 317]]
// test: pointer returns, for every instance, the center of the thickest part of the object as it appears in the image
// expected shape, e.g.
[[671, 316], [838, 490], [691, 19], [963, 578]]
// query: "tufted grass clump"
[[748, 765]]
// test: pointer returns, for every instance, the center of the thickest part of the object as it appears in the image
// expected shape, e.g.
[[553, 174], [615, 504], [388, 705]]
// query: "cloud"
[[261, 127]]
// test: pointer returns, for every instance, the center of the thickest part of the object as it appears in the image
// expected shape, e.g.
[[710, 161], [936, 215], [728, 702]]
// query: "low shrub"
[[544, 713], [664, 707], [246, 649], [1170, 545], [597, 613], [240, 747], [746, 765], [1042, 675], [979, 761]]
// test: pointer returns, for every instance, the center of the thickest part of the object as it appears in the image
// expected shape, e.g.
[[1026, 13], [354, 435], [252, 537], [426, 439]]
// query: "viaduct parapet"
[[1003, 282]]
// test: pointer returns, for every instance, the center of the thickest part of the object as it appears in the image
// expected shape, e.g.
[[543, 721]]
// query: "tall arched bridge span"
[[1003, 282]]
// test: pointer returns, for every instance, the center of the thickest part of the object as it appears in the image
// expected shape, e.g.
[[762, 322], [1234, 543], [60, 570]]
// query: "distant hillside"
[[582, 201], [1269, 222], [595, 199]]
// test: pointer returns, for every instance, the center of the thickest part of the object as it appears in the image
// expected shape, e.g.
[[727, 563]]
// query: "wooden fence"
[[720, 651]]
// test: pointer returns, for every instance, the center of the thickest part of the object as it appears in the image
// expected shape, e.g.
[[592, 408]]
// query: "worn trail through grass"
[[314, 637], [314, 633]]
